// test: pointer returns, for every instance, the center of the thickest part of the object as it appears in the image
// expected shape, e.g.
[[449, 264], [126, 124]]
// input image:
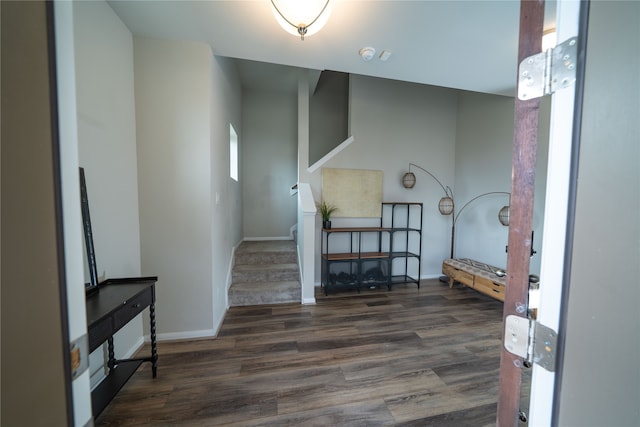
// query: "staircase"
[[265, 272]]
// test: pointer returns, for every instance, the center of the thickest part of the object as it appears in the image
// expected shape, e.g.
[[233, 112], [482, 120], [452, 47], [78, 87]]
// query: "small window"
[[233, 153]]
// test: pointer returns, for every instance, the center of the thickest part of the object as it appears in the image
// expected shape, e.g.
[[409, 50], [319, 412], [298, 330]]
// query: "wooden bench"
[[476, 275]]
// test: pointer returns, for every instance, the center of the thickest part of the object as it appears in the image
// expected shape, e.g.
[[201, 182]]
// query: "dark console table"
[[112, 305]]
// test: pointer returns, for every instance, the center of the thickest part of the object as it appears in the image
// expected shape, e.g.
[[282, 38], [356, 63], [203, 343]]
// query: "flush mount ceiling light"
[[301, 18]]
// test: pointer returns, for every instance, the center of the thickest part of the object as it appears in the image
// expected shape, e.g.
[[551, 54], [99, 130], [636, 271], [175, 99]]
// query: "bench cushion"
[[475, 274]]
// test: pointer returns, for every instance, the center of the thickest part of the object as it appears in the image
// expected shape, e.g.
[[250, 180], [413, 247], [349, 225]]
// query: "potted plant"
[[326, 210]]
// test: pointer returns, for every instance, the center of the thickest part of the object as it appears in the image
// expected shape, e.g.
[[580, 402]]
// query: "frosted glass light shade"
[[302, 18]]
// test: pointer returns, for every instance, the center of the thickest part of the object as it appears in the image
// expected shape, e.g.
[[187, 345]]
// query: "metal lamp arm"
[[447, 190], [457, 215]]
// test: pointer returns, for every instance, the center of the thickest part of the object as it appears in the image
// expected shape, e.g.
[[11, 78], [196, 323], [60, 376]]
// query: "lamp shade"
[[301, 18], [503, 216], [445, 206], [408, 180]]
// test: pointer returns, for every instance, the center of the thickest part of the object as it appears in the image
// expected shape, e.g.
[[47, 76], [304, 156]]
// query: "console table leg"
[[154, 348], [111, 363]]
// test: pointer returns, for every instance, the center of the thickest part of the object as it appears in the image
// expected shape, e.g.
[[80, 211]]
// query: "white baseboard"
[[186, 335], [308, 301]]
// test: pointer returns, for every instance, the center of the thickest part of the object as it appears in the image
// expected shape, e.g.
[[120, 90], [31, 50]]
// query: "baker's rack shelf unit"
[[374, 257]]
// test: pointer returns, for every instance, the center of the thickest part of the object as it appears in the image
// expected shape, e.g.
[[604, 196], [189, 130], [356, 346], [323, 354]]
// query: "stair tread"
[[272, 267], [267, 286], [260, 252], [270, 246], [267, 256], [259, 293]]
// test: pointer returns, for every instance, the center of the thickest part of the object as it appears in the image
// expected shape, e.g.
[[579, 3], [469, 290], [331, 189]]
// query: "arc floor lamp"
[[446, 205]]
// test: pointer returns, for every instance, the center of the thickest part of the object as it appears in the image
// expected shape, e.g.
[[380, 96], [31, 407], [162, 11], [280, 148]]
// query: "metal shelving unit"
[[372, 257]]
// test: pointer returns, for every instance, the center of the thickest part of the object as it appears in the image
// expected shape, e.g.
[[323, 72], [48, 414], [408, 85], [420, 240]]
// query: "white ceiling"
[[470, 44]]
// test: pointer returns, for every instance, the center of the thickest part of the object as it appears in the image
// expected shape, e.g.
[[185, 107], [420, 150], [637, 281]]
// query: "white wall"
[[107, 150], [270, 167], [161, 132], [463, 138], [483, 164], [394, 123], [190, 209], [226, 101], [172, 89], [328, 114]]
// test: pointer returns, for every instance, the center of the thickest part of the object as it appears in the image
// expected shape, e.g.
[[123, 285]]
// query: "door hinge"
[[546, 72], [531, 340], [79, 355]]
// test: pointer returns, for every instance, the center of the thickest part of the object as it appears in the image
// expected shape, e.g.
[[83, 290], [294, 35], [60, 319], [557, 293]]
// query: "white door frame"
[[555, 218], [70, 182]]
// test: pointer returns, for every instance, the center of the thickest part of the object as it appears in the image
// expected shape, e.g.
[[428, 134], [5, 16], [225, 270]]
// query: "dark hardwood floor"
[[409, 357]]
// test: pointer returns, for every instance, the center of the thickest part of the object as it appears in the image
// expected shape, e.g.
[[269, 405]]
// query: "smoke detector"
[[367, 53]]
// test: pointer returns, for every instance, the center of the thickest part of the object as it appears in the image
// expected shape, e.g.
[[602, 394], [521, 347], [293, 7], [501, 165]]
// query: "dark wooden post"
[[521, 222]]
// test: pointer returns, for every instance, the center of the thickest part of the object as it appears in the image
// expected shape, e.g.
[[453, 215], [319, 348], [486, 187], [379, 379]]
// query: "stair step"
[[265, 272], [266, 252], [266, 258], [256, 293]]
